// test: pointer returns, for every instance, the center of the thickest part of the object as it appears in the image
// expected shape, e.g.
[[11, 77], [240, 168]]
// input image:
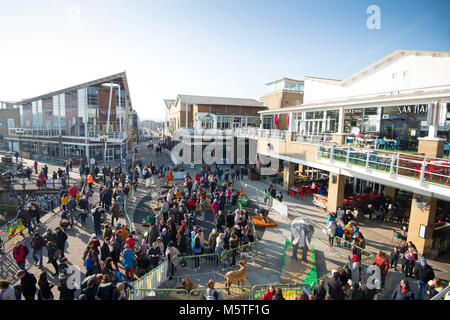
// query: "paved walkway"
[[78, 238]]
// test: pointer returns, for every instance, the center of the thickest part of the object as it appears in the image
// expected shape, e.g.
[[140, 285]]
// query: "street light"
[[20, 132], [104, 138]]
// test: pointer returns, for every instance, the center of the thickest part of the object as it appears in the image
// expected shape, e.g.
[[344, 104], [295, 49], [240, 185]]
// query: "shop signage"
[[421, 108]]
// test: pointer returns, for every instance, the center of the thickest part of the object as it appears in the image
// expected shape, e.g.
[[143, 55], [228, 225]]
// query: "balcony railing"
[[33, 132], [273, 134], [422, 168], [311, 138], [111, 135], [250, 132]]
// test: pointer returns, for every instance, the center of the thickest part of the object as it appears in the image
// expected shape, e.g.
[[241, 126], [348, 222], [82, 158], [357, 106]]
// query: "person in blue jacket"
[[402, 291], [128, 262], [339, 233]]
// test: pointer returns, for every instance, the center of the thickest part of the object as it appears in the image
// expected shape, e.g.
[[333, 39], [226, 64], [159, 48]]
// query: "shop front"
[[399, 125]]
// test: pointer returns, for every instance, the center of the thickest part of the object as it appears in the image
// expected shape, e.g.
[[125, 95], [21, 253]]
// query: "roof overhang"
[[386, 99]]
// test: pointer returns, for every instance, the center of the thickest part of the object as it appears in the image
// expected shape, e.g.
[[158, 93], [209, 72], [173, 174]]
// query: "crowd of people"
[[176, 233], [343, 226]]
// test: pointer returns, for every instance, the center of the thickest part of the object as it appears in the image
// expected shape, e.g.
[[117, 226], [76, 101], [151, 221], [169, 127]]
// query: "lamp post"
[[20, 132], [104, 138]]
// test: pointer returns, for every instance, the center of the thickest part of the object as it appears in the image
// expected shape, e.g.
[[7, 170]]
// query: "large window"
[[93, 122], [223, 122], [268, 122], [316, 122], [82, 111], [10, 124], [363, 120], [405, 123], [122, 99]]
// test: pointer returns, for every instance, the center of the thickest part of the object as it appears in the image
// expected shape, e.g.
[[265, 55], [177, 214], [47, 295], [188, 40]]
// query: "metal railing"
[[34, 132], [249, 132], [273, 134], [311, 138], [153, 279], [225, 293], [442, 295], [111, 135], [158, 294], [289, 291], [422, 168]]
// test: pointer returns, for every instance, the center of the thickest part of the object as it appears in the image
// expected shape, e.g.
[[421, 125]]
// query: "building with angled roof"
[[189, 114], [74, 122]]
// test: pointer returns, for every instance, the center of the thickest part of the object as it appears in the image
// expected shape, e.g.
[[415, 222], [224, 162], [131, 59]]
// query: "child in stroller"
[[66, 220]]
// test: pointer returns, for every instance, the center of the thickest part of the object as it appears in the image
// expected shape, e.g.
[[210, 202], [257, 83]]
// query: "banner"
[[15, 229], [320, 201], [280, 207]]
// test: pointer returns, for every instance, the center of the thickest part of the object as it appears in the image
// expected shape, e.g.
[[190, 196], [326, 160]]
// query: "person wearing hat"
[[95, 242], [423, 273]]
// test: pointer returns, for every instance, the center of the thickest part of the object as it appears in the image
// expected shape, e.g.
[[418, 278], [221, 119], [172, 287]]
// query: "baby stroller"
[[66, 220]]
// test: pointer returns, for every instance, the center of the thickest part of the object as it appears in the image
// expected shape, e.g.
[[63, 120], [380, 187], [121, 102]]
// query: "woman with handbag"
[[53, 254], [45, 288]]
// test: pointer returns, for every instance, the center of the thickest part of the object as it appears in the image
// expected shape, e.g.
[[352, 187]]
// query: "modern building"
[[93, 120], [384, 128], [203, 121]]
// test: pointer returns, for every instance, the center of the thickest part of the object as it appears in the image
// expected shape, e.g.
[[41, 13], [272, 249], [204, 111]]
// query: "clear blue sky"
[[224, 48]]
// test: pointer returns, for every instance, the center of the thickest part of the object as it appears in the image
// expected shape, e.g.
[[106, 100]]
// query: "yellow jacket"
[[64, 200], [348, 231]]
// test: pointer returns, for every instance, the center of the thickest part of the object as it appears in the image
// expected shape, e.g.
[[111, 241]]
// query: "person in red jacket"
[[20, 253], [382, 261], [73, 191], [269, 293], [131, 241]]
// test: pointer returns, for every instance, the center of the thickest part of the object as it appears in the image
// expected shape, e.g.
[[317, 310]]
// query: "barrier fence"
[[158, 294], [153, 279], [289, 291]]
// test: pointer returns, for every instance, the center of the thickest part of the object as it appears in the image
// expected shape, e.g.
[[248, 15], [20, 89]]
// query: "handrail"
[[419, 167], [441, 294]]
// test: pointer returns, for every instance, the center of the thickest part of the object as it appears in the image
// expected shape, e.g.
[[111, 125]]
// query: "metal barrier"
[[414, 166], [235, 293], [289, 291], [366, 256], [442, 295], [189, 265], [125, 209], [154, 278], [158, 294]]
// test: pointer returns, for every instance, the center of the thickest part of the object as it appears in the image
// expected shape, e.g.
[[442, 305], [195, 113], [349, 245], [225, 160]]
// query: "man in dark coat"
[[27, 284], [220, 222], [105, 251], [423, 273], [61, 238], [320, 292], [335, 287]]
